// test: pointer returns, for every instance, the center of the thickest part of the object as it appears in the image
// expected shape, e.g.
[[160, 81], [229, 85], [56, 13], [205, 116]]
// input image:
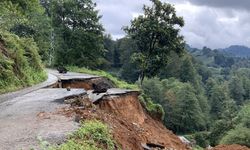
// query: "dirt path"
[[27, 115]]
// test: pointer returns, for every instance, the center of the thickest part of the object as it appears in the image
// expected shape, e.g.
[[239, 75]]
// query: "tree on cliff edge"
[[156, 34]]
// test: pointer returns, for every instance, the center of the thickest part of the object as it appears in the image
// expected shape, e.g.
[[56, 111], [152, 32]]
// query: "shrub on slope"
[[20, 63]]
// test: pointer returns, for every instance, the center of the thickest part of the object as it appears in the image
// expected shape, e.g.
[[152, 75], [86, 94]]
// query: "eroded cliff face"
[[85, 84], [124, 106], [131, 126], [120, 109]]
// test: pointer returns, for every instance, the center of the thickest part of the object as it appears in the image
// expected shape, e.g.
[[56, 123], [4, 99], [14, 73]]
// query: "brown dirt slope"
[[230, 147], [130, 125]]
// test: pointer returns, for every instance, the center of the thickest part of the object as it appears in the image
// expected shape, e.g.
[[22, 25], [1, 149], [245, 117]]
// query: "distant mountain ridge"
[[237, 51]]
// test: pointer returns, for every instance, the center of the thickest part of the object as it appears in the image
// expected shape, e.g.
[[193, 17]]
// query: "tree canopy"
[[156, 34], [78, 33]]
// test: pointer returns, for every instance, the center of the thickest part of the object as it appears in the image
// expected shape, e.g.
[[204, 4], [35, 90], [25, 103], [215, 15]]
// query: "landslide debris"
[[132, 128], [230, 147]]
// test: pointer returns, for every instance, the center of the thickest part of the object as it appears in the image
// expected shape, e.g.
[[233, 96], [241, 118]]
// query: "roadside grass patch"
[[92, 135]]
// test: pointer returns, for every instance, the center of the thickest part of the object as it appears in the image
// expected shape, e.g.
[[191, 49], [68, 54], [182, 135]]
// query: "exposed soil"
[[231, 147], [130, 125], [85, 84], [125, 106]]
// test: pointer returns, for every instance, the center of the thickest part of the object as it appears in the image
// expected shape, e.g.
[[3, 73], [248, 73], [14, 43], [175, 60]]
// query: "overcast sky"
[[212, 23]]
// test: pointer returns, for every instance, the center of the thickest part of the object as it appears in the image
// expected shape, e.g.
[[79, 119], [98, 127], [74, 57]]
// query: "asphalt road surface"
[[24, 119]]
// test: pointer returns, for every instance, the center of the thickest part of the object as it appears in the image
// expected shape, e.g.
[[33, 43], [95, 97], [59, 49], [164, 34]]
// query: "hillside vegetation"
[[92, 135], [20, 63]]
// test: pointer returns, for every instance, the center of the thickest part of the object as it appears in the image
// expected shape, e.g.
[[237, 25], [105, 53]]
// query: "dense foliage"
[[78, 33], [27, 19]]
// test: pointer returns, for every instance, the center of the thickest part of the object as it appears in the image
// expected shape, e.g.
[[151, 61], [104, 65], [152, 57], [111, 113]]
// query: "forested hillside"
[[203, 94]]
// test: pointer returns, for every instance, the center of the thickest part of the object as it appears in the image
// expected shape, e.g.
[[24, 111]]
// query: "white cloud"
[[206, 23]]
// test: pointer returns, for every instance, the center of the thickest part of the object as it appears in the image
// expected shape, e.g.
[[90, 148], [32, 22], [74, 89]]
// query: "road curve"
[[52, 79], [28, 114]]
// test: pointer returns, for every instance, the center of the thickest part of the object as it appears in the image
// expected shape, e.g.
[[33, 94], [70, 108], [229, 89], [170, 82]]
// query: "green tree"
[[218, 130], [126, 47], [172, 69], [129, 72], [188, 112], [156, 35], [246, 85], [210, 84], [109, 46], [236, 90], [222, 106], [27, 19], [182, 106], [78, 33], [188, 72], [240, 135]]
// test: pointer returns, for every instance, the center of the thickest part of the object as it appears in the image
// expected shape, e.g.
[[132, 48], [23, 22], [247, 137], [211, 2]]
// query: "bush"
[[218, 130], [201, 139], [154, 110], [240, 135], [73, 145]]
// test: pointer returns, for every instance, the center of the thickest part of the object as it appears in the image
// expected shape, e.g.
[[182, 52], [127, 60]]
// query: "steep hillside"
[[20, 63]]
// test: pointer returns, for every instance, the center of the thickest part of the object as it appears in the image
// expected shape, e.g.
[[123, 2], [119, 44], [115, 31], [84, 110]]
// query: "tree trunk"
[[141, 78]]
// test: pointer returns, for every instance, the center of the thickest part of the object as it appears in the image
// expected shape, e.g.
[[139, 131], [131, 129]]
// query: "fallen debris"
[[230, 147], [129, 123]]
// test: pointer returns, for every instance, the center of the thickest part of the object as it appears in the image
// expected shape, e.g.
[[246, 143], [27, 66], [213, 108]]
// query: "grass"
[[118, 83], [12, 83], [92, 135]]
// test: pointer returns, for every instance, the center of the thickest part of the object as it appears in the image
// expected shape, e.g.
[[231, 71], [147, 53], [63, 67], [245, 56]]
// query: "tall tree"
[[188, 111], [78, 33], [156, 35], [246, 85], [187, 71], [236, 90], [109, 46], [222, 106]]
